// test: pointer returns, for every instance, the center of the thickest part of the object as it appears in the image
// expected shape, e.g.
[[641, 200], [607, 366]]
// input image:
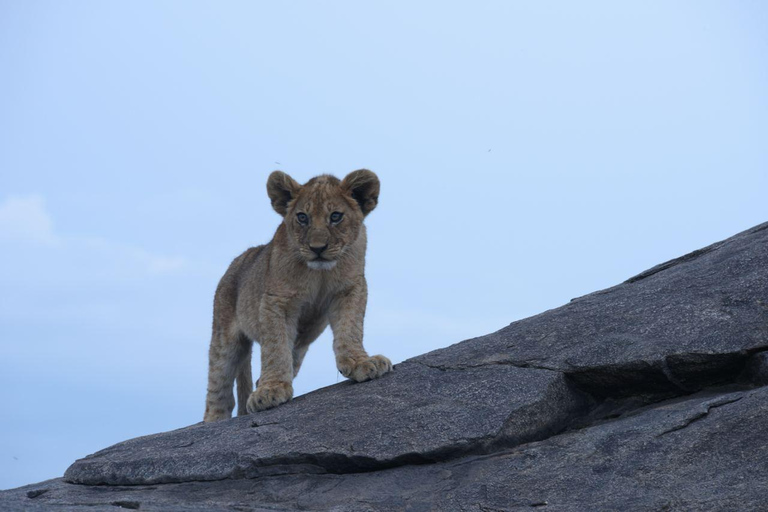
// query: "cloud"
[[149, 262], [25, 218]]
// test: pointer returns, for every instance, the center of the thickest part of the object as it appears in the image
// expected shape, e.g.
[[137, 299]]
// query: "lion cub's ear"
[[363, 185], [281, 188]]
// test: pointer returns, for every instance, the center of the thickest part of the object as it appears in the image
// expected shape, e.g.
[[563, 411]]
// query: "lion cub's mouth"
[[321, 264]]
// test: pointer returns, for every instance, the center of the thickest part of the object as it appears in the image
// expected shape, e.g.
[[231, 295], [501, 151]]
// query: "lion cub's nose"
[[318, 249]]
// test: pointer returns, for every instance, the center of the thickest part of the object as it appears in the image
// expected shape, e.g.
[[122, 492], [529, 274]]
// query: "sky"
[[529, 153]]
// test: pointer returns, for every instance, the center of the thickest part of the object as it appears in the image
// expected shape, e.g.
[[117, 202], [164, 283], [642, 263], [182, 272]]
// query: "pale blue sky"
[[529, 152]]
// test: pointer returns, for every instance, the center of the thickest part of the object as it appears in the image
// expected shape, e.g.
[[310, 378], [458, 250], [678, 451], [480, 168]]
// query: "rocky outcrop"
[[647, 395]]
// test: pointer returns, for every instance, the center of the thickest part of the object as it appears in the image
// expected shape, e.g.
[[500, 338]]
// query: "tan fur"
[[270, 294]]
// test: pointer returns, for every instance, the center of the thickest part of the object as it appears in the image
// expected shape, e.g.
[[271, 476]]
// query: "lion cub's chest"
[[315, 298]]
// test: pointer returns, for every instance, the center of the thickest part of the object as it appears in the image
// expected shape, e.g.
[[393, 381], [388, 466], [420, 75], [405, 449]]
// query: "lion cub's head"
[[324, 215]]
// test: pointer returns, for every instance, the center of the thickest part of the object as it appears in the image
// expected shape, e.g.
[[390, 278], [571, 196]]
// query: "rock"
[[435, 414], [647, 395]]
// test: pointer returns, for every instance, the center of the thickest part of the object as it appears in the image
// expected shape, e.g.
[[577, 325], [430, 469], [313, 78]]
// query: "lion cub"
[[285, 293]]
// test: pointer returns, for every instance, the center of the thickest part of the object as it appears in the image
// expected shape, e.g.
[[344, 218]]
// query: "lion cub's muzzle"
[[322, 260], [318, 249]]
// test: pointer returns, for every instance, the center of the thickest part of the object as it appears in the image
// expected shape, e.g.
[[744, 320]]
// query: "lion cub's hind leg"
[[299, 352], [244, 382], [227, 357], [309, 331]]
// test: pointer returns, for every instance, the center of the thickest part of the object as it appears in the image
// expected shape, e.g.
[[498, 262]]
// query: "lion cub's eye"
[[302, 218], [336, 217]]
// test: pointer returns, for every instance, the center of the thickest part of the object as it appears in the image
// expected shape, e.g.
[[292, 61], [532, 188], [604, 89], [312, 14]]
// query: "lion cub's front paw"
[[268, 395], [364, 369]]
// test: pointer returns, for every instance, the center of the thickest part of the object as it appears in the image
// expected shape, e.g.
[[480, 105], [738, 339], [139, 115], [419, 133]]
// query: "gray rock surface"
[[645, 396]]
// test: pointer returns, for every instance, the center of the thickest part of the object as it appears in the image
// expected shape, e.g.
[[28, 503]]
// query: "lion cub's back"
[[245, 262], [237, 273]]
